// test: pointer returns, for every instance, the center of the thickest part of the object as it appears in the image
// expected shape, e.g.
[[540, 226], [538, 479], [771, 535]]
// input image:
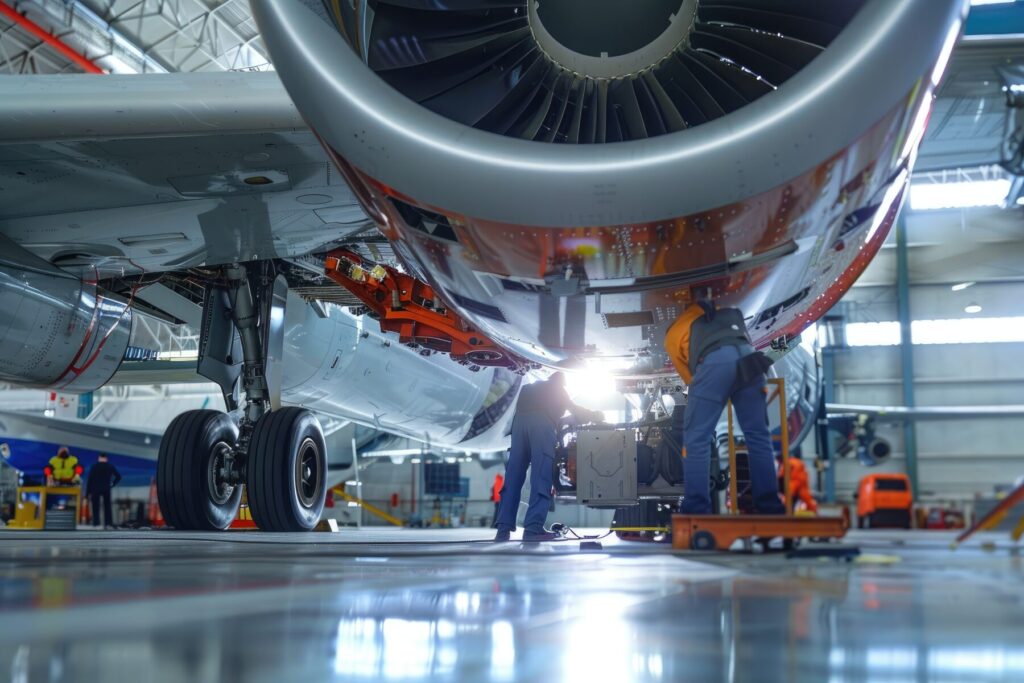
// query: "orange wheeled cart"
[[711, 532]]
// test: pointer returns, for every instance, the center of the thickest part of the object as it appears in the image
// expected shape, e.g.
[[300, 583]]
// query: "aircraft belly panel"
[[343, 366]]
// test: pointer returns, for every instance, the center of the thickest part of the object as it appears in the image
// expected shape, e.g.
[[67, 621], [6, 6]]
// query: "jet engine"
[[568, 186], [57, 331]]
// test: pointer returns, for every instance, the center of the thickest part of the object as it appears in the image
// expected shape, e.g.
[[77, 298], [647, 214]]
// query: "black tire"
[[286, 472], [189, 496], [703, 540], [906, 520]]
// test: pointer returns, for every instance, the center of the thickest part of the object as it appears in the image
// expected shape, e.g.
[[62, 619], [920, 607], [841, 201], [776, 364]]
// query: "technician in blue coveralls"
[[711, 350], [534, 434]]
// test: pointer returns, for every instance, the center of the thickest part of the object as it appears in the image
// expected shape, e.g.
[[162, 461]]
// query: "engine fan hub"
[[606, 39]]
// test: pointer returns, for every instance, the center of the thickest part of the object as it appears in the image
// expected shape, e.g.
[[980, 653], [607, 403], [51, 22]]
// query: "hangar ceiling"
[[132, 36]]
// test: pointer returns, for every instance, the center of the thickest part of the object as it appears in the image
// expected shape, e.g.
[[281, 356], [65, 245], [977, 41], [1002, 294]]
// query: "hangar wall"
[[956, 458]]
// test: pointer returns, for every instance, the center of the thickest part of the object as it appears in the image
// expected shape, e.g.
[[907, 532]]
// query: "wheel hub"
[[218, 474], [307, 474]]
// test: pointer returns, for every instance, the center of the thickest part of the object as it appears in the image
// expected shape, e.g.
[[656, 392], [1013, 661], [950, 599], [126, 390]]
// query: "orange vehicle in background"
[[884, 500]]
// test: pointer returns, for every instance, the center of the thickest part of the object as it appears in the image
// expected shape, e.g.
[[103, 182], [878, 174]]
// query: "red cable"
[[53, 41], [76, 372]]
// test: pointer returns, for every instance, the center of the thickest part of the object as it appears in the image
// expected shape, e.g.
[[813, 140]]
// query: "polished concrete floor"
[[413, 605]]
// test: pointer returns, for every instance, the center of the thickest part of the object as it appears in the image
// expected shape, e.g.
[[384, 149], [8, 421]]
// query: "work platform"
[[414, 604]]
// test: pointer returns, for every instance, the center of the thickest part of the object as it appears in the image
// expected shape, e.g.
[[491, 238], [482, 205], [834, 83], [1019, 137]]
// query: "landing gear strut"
[[278, 454]]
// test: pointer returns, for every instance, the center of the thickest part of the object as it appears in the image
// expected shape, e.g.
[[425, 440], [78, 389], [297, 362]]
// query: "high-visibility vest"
[[64, 469], [499, 483]]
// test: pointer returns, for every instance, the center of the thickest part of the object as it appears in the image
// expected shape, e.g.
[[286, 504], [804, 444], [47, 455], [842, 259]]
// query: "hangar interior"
[[912, 375]]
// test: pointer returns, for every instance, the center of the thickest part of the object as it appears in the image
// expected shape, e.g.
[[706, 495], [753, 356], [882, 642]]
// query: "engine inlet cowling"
[[700, 103]]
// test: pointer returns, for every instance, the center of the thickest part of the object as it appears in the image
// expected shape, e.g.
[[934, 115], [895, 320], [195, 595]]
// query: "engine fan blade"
[[428, 80], [473, 99]]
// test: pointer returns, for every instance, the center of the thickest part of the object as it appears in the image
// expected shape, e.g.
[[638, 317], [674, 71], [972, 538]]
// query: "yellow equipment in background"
[[47, 507]]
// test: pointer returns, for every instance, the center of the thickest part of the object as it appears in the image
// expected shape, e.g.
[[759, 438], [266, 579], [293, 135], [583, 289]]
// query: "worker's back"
[[101, 476], [722, 327], [547, 398]]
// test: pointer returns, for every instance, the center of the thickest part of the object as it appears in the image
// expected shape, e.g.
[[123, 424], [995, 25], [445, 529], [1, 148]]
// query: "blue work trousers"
[[714, 383], [533, 446]]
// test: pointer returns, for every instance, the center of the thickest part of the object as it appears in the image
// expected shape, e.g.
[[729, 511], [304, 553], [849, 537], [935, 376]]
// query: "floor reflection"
[[273, 613]]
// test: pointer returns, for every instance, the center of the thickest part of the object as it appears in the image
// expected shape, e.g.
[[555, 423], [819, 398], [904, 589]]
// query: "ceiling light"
[[961, 286], [972, 308], [926, 196], [976, 3]]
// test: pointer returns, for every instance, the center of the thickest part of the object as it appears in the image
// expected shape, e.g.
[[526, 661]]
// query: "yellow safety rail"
[[373, 509]]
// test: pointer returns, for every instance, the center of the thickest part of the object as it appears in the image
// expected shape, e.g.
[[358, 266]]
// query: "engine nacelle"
[[57, 331], [874, 452], [569, 186]]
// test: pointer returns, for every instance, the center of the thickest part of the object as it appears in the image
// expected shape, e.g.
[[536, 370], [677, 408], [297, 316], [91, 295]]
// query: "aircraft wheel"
[[703, 540], [192, 492], [286, 473]]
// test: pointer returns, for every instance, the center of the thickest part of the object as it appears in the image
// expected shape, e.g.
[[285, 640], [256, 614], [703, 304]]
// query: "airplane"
[[27, 442], [462, 195]]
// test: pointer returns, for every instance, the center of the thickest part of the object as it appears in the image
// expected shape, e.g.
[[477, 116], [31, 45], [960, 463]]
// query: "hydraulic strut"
[[246, 316]]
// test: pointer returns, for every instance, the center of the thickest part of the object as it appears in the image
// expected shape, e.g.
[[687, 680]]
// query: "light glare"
[[947, 331], [958, 195]]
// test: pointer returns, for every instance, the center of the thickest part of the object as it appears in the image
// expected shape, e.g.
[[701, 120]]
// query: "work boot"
[[536, 536], [503, 536]]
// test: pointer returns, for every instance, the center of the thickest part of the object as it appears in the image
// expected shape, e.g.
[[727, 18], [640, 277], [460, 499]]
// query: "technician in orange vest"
[[799, 482], [711, 351], [499, 482]]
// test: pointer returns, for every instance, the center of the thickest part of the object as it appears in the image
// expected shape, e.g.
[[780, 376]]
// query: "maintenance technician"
[[535, 426], [711, 350], [63, 469], [102, 477]]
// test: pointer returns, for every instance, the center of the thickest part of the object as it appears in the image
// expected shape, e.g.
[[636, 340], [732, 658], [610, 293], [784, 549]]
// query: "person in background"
[[535, 426], [712, 353], [102, 478], [63, 469], [799, 482], [499, 482]]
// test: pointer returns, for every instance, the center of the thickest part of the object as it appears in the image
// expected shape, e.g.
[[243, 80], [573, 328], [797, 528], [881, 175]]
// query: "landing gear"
[[277, 453], [286, 476], [193, 481]]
